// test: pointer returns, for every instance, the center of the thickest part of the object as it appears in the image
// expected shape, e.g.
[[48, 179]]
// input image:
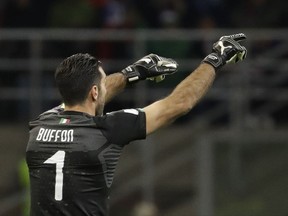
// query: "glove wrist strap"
[[214, 60], [131, 74]]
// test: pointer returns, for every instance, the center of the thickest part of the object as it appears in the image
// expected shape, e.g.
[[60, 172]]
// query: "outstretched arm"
[[152, 67], [187, 94], [184, 97]]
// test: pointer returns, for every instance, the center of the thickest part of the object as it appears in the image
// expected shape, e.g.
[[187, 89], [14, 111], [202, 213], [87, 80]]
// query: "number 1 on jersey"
[[58, 159]]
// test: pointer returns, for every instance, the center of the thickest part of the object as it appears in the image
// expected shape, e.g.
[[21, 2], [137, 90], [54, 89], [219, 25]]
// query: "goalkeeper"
[[73, 150]]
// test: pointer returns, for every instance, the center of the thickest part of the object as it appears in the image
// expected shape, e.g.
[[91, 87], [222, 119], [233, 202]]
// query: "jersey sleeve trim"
[[124, 126]]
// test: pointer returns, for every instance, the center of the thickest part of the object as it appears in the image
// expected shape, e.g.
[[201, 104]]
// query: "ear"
[[94, 92]]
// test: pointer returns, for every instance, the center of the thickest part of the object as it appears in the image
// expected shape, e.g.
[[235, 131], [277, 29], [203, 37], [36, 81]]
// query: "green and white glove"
[[152, 67], [227, 50]]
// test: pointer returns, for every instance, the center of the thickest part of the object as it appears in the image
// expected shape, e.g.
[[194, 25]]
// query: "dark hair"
[[75, 76]]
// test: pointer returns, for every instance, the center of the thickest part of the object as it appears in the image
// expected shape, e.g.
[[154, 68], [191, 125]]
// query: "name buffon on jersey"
[[52, 135]]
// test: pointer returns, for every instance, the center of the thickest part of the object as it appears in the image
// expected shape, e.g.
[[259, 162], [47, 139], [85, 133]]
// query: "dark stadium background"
[[227, 157]]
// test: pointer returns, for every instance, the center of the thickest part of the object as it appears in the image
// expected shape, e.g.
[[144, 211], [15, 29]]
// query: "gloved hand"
[[151, 67], [227, 50]]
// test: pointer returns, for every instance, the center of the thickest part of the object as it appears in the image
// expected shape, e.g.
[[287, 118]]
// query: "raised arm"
[[187, 94], [115, 83], [184, 97], [152, 67]]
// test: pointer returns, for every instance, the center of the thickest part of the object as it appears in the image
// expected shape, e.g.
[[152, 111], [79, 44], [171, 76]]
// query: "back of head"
[[75, 76]]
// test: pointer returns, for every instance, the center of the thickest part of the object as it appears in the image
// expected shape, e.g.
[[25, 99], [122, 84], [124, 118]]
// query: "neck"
[[81, 108]]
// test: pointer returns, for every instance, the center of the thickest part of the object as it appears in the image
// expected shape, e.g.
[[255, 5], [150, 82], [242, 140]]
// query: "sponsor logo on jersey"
[[52, 135]]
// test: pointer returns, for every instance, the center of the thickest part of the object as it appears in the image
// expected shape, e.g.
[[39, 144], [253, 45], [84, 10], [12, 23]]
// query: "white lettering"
[[46, 135], [70, 135], [40, 133], [64, 136], [57, 135], [52, 135]]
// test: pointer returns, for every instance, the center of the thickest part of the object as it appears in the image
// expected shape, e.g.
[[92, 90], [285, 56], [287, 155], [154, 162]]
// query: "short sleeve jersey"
[[72, 157]]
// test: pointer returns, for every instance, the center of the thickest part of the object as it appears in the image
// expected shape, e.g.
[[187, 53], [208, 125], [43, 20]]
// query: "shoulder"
[[124, 125], [119, 117], [126, 115]]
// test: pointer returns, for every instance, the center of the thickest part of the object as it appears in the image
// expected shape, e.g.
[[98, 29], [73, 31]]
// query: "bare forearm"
[[183, 98], [115, 83], [187, 94]]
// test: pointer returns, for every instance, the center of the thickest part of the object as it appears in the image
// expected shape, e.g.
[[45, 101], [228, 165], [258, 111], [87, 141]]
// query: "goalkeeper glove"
[[151, 67], [227, 50]]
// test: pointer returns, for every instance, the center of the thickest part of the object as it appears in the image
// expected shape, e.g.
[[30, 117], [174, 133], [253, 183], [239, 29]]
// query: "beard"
[[100, 109], [101, 101]]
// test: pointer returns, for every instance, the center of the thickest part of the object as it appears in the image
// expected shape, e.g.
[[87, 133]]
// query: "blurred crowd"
[[143, 14], [125, 14], [132, 14]]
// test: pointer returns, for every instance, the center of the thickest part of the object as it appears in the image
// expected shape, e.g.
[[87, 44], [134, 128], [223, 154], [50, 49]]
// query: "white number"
[[58, 159]]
